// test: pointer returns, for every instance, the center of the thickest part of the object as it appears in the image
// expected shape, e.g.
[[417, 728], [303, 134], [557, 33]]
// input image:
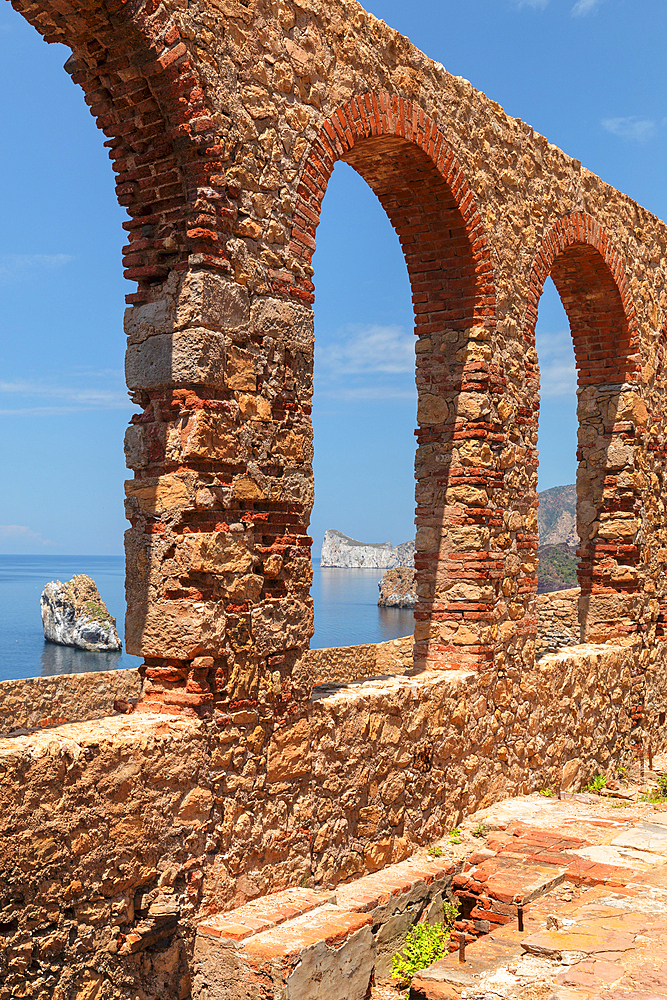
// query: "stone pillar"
[[218, 559], [610, 486]]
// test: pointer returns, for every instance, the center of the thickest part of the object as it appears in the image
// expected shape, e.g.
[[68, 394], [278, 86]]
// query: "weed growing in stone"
[[596, 784], [434, 852], [425, 944], [455, 836], [547, 792], [660, 794], [480, 830]]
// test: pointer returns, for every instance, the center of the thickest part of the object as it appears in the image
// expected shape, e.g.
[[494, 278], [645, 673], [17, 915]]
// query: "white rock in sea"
[[339, 550], [74, 614]]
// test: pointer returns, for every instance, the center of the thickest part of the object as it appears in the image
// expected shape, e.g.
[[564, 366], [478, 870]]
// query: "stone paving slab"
[[262, 914], [644, 837]]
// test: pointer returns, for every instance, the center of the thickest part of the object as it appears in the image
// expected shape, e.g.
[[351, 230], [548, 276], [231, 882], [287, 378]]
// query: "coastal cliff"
[[339, 550]]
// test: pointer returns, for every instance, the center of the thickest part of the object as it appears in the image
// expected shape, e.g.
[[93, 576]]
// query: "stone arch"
[[405, 159], [146, 95], [369, 126], [590, 277]]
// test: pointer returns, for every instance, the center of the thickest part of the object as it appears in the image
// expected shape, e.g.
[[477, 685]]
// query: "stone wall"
[[224, 121], [558, 620], [119, 834], [32, 702], [47, 701]]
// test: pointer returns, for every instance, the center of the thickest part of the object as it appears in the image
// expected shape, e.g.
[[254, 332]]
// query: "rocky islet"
[[74, 614]]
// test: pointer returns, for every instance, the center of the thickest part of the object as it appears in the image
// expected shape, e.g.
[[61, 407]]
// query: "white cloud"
[[71, 399], [534, 4], [558, 373], [638, 129], [380, 350], [10, 531], [18, 266], [582, 7]]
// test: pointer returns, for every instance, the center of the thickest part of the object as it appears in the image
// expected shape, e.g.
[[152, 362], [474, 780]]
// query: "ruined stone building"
[[240, 772]]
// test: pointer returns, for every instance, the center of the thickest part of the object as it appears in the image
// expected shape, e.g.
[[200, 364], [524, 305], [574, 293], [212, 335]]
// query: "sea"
[[346, 612]]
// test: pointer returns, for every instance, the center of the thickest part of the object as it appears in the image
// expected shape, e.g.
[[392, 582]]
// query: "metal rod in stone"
[[462, 946], [641, 765], [519, 913], [650, 756]]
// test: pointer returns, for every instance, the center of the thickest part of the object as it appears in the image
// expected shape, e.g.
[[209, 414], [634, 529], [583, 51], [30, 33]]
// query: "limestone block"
[[202, 434], [432, 409], [241, 370], [188, 357], [147, 319], [282, 624], [632, 407], [135, 446], [215, 552], [289, 752], [178, 628], [286, 321], [161, 494], [199, 299], [571, 779], [212, 301], [470, 539]]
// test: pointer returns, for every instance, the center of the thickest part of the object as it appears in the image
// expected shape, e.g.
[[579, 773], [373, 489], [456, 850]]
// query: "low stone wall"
[[352, 663], [120, 834], [558, 620], [33, 702], [45, 701]]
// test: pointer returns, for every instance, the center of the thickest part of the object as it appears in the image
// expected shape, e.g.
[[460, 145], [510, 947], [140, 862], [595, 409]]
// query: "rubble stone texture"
[[223, 121]]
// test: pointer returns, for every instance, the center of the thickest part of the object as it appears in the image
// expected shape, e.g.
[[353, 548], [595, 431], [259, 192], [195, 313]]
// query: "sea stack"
[[397, 588], [74, 614]]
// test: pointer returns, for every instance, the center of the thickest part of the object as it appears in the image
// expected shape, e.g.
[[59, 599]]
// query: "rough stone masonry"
[[223, 121]]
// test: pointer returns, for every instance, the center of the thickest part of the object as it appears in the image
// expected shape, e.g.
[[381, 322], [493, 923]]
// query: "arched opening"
[[557, 582], [405, 161], [589, 278], [364, 407]]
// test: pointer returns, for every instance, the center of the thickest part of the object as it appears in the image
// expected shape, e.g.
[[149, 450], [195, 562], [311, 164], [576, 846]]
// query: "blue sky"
[[588, 74]]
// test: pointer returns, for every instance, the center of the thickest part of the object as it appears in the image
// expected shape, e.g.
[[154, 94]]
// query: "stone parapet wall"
[[29, 702], [352, 663], [45, 701], [558, 620], [121, 833]]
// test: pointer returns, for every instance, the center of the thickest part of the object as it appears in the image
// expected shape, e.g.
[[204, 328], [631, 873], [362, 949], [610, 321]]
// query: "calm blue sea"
[[346, 612]]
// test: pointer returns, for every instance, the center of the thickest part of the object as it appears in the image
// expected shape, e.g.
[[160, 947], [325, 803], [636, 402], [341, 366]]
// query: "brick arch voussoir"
[[581, 229], [372, 115], [143, 90]]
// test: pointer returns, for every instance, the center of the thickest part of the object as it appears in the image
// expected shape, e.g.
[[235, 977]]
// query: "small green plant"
[[621, 772], [425, 944], [596, 784], [434, 852], [480, 830], [659, 794], [547, 792], [455, 836], [619, 805]]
